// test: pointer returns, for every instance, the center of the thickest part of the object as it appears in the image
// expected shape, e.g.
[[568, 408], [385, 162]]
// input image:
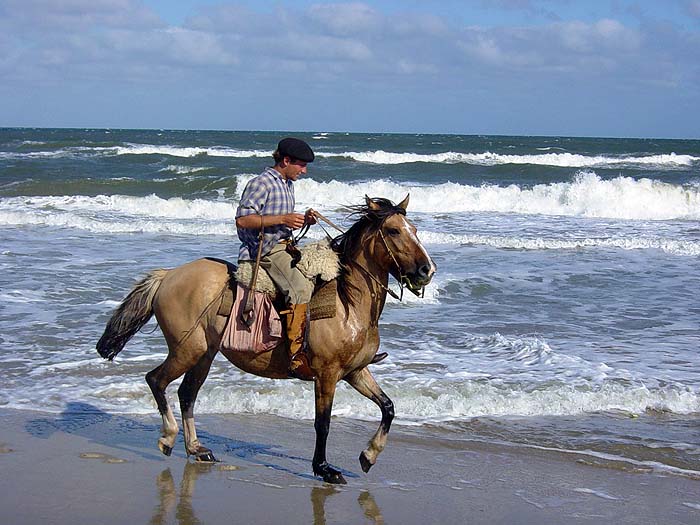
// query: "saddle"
[[319, 263]]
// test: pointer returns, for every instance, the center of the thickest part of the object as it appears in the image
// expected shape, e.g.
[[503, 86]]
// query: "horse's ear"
[[371, 204], [404, 203]]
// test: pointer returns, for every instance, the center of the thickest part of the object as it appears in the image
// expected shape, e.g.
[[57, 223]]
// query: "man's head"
[[291, 157]]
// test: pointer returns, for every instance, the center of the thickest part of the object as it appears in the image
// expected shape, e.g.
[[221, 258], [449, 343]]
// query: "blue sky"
[[522, 67]]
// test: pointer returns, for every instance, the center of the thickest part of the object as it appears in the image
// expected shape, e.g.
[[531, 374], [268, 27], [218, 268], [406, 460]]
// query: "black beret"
[[296, 149]]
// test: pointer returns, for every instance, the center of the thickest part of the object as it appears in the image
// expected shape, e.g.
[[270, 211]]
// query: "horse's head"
[[408, 261]]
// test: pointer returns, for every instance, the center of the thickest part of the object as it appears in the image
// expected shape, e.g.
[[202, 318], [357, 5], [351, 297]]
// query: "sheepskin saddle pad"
[[318, 263]]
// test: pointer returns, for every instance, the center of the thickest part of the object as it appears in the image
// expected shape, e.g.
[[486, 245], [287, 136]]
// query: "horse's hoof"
[[365, 463], [165, 449], [378, 358], [335, 477], [330, 475], [205, 457]]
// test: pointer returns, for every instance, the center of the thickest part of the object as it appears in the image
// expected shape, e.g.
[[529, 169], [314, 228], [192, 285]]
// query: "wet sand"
[[88, 466]]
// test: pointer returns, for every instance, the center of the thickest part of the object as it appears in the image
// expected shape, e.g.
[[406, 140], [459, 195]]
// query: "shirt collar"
[[272, 171]]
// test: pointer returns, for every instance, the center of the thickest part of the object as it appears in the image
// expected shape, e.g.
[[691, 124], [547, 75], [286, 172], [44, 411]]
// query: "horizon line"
[[286, 131]]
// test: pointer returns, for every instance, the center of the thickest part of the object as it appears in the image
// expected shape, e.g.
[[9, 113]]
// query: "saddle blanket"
[[263, 335]]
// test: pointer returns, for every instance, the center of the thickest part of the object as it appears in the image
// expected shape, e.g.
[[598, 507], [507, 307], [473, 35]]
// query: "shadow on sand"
[[133, 436], [124, 433]]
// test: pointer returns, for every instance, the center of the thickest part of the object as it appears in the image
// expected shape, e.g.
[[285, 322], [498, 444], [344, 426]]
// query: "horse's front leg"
[[324, 391], [363, 381]]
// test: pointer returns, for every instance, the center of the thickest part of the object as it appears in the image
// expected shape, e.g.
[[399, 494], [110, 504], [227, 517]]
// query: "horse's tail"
[[130, 316]]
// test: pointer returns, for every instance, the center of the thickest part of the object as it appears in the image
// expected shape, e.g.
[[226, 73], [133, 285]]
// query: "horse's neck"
[[372, 294]]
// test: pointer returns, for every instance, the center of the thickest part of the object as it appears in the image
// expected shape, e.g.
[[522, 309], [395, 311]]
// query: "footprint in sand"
[[106, 458]]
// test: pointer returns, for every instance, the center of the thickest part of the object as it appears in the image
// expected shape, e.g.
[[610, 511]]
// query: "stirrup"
[[378, 357]]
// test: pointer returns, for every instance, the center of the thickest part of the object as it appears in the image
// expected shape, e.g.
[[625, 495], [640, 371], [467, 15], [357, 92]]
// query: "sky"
[[610, 68]]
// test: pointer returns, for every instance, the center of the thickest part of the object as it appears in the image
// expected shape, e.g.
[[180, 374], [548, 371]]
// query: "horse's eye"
[[392, 231]]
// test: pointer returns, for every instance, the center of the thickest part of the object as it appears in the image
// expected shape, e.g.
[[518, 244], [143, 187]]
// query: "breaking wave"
[[560, 159], [586, 196], [569, 160], [507, 377], [153, 214]]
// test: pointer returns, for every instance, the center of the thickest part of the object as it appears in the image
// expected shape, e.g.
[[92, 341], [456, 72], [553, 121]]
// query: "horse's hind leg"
[[158, 379], [363, 381], [187, 393]]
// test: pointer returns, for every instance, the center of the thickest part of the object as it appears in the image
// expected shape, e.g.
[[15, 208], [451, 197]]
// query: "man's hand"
[[310, 216], [293, 220]]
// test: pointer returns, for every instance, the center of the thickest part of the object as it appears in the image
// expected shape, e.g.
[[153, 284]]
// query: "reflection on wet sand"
[[370, 508], [180, 504], [169, 500], [319, 495]]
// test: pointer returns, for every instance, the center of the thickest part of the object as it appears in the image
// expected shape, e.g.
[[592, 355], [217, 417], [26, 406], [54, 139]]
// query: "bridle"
[[403, 280]]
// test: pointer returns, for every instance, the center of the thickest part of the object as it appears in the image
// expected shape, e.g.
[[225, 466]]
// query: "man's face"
[[294, 169]]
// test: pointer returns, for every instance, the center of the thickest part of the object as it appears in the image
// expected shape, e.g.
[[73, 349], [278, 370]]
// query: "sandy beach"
[[89, 466]]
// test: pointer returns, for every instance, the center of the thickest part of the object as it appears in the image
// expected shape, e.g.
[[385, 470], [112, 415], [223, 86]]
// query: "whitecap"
[[184, 170], [569, 160]]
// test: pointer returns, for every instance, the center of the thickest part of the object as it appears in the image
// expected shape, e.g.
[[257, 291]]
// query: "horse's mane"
[[349, 244]]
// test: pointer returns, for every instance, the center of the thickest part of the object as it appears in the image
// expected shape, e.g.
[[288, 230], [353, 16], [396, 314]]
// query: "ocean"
[[563, 317]]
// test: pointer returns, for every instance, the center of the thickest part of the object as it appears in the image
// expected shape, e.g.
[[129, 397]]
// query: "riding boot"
[[296, 332]]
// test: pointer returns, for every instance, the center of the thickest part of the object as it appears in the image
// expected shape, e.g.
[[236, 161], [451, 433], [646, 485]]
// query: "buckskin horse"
[[381, 242]]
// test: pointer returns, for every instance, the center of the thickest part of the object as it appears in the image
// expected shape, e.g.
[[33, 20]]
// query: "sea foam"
[[184, 170], [182, 151], [670, 246], [569, 160], [587, 195], [418, 401]]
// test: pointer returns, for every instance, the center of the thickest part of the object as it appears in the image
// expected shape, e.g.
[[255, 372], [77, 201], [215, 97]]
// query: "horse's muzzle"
[[421, 277]]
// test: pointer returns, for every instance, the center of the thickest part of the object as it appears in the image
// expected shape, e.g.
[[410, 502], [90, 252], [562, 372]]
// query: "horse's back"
[[190, 294], [195, 280]]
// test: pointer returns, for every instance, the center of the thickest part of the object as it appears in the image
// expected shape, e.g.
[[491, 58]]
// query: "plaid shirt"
[[266, 194]]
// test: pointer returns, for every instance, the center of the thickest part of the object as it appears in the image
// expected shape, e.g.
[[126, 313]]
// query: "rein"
[[327, 221]]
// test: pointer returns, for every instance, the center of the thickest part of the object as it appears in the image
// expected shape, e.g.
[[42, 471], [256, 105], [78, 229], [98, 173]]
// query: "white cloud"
[[311, 48], [410, 25], [693, 8], [176, 45], [228, 19], [409, 67], [105, 38], [346, 19], [561, 48], [73, 15], [499, 52], [584, 37]]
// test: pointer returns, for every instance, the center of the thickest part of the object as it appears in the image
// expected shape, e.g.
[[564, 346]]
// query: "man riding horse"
[[267, 204]]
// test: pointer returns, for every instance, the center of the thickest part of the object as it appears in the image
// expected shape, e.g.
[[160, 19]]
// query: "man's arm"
[[255, 222]]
